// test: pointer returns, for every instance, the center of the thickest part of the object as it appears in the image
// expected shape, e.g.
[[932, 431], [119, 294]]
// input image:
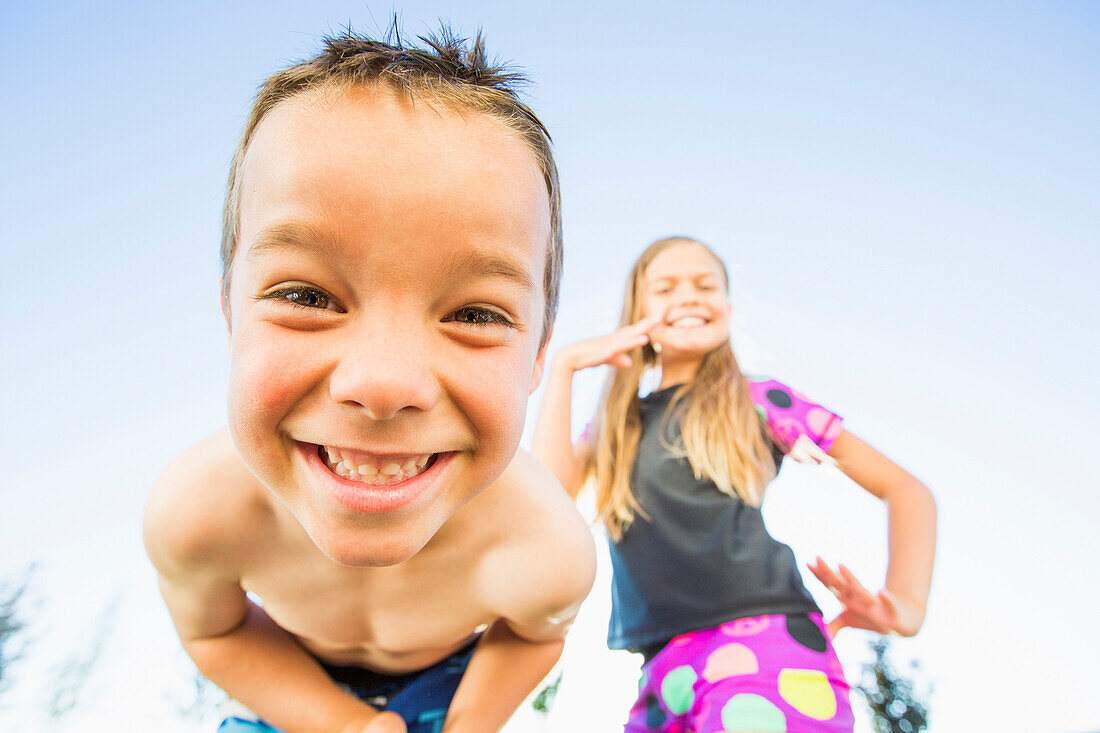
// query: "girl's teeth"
[[390, 469], [368, 471], [422, 461]]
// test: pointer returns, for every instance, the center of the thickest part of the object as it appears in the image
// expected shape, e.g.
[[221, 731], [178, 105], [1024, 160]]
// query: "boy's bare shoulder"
[[530, 494], [543, 562], [205, 505]]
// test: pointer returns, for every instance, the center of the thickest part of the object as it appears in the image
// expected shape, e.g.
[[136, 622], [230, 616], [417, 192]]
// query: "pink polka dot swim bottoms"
[[763, 674]]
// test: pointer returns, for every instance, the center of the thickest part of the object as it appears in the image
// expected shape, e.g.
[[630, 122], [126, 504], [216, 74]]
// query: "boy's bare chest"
[[388, 619]]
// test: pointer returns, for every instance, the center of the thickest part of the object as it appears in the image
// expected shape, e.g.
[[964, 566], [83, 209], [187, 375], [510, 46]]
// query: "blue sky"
[[907, 195]]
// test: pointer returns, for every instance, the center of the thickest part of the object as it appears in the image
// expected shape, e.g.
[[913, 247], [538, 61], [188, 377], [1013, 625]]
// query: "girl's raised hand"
[[883, 612], [609, 349]]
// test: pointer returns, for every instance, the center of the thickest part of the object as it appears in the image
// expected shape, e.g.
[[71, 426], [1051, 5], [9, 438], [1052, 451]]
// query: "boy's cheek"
[[262, 382], [498, 393]]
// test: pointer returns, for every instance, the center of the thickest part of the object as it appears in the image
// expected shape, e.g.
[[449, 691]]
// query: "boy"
[[391, 254]]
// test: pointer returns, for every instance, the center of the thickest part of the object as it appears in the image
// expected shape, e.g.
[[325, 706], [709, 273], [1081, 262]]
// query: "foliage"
[[12, 624], [545, 699], [72, 675], [895, 705], [202, 701]]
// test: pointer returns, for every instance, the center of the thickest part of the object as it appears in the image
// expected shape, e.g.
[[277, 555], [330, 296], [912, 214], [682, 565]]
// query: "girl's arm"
[[911, 513], [552, 443]]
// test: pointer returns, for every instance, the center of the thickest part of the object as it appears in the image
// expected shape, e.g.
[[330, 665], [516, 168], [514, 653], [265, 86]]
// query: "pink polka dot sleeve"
[[790, 416]]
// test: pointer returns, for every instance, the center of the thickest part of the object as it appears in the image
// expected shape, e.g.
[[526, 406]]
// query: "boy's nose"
[[384, 376]]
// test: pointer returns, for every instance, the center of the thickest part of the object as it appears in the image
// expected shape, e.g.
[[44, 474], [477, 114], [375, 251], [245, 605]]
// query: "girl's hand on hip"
[[883, 612], [609, 349]]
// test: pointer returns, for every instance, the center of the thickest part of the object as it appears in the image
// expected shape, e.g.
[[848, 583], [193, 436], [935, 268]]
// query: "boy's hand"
[[608, 349], [884, 612], [384, 722]]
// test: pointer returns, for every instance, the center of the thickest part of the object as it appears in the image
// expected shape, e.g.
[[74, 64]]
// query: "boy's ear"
[[224, 301], [540, 363]]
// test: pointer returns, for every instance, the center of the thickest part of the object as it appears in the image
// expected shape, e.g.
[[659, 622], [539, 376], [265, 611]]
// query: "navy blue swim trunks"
[[421, 698]]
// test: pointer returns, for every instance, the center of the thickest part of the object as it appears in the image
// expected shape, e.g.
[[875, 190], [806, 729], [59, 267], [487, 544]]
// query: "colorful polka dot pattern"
[[678, 689], [808, 691], [752, 712], [789, 415], [765, 673]]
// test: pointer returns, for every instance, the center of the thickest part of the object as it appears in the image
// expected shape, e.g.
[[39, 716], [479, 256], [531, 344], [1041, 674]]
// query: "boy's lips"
[[379, 482], [377, 469]]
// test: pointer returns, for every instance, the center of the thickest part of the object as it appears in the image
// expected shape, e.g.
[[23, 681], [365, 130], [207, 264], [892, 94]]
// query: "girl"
[[732, 640]]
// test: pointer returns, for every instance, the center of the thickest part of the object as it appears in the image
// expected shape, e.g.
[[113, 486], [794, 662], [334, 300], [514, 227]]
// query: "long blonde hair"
[[721, 435]]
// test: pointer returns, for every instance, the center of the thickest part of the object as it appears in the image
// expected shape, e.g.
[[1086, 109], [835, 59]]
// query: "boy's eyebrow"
[[477, 263], [471, 262], [288, 236]]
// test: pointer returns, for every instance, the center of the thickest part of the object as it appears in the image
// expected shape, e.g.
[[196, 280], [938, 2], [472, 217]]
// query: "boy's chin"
[[368, 549]]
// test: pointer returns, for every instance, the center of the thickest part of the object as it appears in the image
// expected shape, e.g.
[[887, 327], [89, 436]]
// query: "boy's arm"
[[503, 671], [263, 667], [232, 642], [536, 584]]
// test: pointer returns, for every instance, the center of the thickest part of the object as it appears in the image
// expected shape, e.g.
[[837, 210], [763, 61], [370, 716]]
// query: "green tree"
[[896, 706], [70, 678], [12, 624]]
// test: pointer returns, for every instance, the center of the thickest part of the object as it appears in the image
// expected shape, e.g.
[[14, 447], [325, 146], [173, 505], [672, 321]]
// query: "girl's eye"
[[303, 296], [476, 316]]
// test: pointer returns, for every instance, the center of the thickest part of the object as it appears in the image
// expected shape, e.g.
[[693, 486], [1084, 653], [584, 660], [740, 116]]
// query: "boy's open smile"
[[374, 482], [374, 469]]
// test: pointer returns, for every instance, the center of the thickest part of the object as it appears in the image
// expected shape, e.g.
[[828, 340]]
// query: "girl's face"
[[685, 285]]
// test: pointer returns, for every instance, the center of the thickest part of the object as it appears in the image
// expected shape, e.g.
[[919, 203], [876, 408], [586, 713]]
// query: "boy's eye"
[[477, 316], [302, 296]]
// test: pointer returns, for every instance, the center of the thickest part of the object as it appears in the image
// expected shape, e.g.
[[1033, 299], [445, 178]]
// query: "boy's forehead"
[[378, 126], [364, 162]]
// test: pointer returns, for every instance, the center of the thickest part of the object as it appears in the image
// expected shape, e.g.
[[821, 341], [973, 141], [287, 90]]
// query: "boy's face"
[[386, 301]]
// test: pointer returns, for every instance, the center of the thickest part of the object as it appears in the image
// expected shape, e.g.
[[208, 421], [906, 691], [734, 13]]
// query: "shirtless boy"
[[391, 252]]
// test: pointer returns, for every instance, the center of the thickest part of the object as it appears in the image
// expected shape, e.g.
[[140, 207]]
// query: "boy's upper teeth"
[[368, 468]]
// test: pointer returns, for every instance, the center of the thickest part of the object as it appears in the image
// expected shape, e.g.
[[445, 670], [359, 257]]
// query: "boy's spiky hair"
[[446, 69]]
